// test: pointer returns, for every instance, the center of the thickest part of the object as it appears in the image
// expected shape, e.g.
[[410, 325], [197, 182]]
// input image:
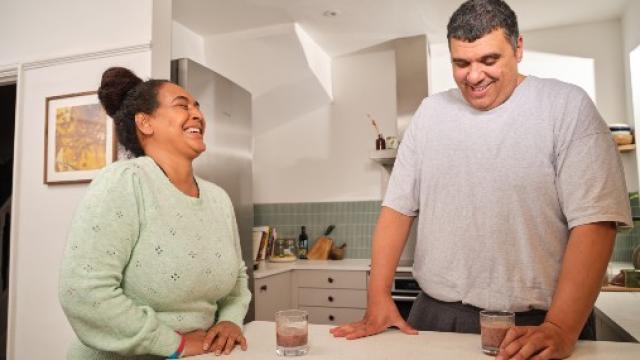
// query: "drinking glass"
[[493, 328], [292, 332]]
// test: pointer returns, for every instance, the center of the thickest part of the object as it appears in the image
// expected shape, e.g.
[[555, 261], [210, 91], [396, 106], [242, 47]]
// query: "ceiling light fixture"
[[331, 13]]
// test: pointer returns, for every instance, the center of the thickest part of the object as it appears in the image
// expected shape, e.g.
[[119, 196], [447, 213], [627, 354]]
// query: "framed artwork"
[[79, 138]]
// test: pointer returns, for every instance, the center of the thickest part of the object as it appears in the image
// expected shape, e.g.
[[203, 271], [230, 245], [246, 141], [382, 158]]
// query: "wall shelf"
[[384, 157], [626, 148]]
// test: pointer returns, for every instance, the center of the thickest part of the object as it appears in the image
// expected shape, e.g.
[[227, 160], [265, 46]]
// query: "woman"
[[152, 265]]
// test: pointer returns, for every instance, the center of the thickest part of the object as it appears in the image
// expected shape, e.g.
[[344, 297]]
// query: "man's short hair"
[[477, 18]]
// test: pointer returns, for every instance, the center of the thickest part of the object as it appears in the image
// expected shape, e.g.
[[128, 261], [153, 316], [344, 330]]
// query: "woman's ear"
[[143, 123]]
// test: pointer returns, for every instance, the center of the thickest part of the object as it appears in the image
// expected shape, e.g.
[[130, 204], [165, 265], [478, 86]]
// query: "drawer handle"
[[330, 298], [330, 280], [331, 318], [263, 288]]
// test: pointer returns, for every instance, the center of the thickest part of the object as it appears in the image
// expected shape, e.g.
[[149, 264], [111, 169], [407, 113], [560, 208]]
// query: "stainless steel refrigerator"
[[227, 161]]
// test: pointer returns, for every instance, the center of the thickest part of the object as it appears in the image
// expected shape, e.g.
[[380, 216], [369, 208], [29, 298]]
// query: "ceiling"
[[363, 23]]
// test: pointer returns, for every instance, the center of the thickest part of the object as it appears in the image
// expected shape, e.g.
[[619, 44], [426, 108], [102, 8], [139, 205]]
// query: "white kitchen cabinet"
[[331, 296], [333, 292], [331, 279], [346, 298], [332, 315], [272, 293]]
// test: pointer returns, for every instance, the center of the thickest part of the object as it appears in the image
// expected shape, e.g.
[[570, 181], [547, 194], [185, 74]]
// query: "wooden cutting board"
[[320, 249]]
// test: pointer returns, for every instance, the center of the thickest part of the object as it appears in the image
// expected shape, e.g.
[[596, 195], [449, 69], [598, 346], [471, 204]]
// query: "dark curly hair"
[[476, 18], [123, 95]]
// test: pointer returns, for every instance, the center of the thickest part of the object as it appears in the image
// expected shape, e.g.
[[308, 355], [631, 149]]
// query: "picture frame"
[[79, 138]]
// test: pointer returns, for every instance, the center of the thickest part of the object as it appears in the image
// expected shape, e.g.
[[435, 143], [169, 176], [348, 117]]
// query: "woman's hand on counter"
[[547, 341], [381, 314], [223, 337], [193, 343]]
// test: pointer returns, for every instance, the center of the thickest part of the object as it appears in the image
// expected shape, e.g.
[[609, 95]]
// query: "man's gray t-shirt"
[[498, 191]]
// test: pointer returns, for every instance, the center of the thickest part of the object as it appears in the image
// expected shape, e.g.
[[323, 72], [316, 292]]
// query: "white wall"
[[161, 31], [83, 33], [36, 29], [186, 44], [441, 74], [580, 71], [602, 42], [306, 147], [634, 64], [317, 59], [631, 40], [323, 154], [260, 59]]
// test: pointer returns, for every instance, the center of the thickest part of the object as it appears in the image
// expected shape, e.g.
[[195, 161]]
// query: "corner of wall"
[[161, 29], [319, 61]]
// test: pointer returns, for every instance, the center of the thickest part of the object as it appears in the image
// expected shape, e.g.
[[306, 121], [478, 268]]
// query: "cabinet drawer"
[[332, 279], [332, 297], [333, 316], [272, 294]]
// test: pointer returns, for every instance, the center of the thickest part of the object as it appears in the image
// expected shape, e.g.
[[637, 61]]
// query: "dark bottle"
[[380, 143], [303, 243]]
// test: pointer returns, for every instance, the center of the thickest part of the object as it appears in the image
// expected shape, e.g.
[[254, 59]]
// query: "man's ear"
[[519, 48], [143, 123]]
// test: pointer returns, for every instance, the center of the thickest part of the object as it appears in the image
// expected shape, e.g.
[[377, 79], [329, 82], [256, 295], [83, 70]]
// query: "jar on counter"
[[285, 249]]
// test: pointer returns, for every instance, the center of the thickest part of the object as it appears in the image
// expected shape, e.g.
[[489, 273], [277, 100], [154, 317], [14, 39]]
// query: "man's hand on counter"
[[546, 341], [381, 314], [583, 265]]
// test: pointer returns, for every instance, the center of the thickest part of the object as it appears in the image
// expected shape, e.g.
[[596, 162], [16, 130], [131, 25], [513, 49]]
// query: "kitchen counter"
[[623, 308], [268, 268], [393, 344]]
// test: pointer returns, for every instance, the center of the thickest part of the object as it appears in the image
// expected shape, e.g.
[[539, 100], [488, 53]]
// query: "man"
[[519, 188]]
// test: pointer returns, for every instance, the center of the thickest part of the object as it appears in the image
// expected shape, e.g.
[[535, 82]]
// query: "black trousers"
[[429, 314]]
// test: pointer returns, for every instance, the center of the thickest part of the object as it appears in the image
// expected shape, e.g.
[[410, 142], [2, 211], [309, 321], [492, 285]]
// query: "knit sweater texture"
[[144, 261]]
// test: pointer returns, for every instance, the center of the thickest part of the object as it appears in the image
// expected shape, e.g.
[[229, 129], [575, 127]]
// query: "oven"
[[404, 291]]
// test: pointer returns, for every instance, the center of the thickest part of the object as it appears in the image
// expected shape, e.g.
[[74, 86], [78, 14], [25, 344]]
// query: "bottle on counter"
[[303, 243]]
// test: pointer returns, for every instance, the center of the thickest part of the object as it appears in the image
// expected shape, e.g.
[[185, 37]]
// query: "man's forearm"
[[583, 266], [389, 238]]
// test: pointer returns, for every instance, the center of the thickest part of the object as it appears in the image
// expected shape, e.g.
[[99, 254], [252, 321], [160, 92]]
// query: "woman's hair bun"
[[116, 83]]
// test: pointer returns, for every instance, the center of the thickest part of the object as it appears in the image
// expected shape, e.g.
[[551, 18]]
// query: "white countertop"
[[393, 344], [623, 308], [268, 268]]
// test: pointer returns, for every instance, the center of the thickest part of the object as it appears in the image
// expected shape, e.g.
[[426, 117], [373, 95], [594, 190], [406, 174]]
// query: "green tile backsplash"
[[627, 240], [355, 221]]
